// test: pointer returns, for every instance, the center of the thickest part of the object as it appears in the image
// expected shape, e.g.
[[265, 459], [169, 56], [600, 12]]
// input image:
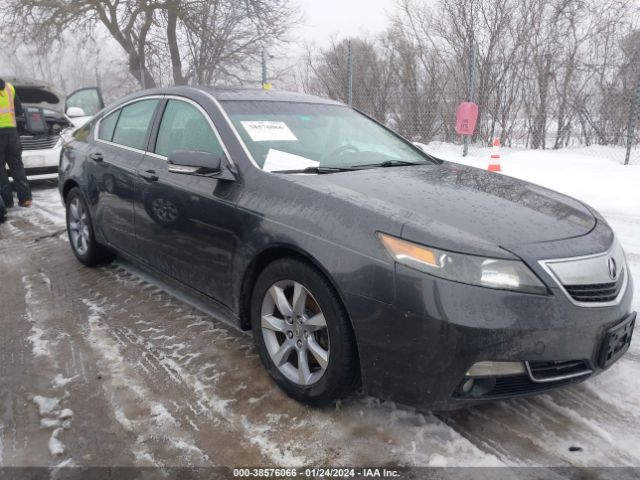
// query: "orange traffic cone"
[[494, 160]]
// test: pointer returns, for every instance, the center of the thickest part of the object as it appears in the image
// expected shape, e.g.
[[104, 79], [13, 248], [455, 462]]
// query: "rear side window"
[[107, 126], [183, 127], [133, 123]]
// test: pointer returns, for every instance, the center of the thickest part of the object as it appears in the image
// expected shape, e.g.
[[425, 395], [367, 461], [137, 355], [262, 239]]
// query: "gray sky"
[[324, 18]]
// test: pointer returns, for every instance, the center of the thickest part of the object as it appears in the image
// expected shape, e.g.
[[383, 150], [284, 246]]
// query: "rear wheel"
[[303, 334], [80, 231]]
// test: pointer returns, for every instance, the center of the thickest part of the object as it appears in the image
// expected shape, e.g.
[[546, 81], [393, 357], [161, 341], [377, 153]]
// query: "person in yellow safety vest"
[[11, 149]]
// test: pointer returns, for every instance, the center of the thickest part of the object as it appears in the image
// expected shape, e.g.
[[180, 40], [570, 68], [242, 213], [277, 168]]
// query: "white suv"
[[41, 146]]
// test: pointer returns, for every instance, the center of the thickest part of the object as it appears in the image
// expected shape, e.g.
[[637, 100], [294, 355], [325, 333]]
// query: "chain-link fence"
[[542, 94], [517, 109]]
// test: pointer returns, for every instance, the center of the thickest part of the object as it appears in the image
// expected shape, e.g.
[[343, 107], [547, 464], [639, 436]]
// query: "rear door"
[[185, 223], [122, 137]]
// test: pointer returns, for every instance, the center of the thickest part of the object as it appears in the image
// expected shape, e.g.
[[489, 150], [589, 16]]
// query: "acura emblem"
[[613, 268]]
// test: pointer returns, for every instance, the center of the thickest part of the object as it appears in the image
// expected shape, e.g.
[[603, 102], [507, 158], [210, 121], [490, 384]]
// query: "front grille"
[[540, 377], [41, 170], [596, 292], [501, 387], [523, 385], [41, 142], [547, 371]]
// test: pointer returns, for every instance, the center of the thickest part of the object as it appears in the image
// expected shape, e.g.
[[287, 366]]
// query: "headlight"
[[66, 135], [471, 269]]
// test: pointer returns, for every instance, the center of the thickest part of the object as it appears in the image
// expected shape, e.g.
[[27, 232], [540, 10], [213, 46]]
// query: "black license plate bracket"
[[616, 341]]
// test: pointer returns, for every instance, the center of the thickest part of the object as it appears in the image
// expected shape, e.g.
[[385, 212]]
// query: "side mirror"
[[73, 112], [194, 163]]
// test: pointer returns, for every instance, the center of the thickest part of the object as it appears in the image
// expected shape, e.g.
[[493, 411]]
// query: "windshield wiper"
[[318, 170], [390, 163]]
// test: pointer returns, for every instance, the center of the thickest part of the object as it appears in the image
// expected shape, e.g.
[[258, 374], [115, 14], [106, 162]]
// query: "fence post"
[[471, 86], [349, 74], [634, 112]]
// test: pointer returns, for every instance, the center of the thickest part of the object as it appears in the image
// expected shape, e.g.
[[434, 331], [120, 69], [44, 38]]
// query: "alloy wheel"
[[79, 226], [295, 332]]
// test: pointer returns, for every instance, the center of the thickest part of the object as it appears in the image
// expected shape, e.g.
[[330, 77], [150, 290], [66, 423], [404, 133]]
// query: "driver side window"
[[183, 127]]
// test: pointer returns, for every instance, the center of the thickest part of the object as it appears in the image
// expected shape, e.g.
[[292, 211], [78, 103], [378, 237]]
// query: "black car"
[[354, 256]]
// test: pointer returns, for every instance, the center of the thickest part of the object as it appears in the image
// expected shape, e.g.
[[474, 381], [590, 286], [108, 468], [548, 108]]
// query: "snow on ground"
[[48, 206]]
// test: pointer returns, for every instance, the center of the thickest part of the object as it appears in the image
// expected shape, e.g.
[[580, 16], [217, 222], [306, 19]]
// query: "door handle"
[[149, 175], [96, 157]]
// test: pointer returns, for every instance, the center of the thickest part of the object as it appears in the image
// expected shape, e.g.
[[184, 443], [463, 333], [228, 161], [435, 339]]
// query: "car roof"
[[242, 94], [258, 94]]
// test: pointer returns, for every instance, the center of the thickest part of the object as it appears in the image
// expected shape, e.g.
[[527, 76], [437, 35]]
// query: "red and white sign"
[[466, 118]]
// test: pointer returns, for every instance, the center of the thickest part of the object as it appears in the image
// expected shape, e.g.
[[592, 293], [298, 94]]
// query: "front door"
[[184, 223]]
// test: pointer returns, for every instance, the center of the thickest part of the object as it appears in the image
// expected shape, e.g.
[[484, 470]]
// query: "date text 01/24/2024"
[[316, 472]]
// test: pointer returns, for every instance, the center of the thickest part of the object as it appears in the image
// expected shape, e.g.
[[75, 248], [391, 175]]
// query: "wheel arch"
[[66, 188], [260, 262]]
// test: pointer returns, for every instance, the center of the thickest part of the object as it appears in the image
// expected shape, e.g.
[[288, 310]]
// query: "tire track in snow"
[[227, 351]]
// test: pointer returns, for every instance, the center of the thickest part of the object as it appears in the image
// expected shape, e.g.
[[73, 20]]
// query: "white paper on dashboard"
[[268, 131], [278, 160]]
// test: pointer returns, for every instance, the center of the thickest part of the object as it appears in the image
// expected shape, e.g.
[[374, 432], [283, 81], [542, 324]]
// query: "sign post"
[[471, 84]]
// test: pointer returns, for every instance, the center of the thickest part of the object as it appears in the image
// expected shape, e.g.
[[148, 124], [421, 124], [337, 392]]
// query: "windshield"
[[294, 136]]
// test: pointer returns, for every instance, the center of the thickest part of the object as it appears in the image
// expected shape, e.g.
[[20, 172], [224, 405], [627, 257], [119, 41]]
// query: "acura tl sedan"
[[353, 256]]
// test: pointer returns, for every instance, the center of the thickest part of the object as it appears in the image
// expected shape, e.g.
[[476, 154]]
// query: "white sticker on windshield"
[[268, 131], [278, 160]]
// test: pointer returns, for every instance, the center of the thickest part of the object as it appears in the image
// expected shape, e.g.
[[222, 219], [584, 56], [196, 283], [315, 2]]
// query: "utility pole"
[[266, 85], [349, 74], [264, 67]]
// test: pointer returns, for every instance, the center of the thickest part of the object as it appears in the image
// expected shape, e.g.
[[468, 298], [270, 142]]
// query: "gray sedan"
[[353, 256]]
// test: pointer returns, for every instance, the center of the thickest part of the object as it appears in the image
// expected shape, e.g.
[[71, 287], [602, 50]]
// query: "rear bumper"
[[418, 350]]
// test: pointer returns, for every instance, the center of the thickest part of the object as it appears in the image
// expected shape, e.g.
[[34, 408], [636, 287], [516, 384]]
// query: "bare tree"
[[224, 36], [372, 74], [91, 64], [211, 35]]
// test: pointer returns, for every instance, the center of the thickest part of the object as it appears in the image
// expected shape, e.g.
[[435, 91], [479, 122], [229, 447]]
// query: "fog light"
[[468, 385], [495, 369]]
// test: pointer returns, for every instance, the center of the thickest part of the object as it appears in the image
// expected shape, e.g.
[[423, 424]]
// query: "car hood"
[[37, 93], [460, 208]]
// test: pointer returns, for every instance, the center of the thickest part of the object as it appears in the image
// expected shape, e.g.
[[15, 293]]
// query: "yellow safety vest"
[[7, 108]]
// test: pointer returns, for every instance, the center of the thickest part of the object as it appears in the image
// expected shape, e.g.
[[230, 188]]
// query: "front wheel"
[[80, 231], [303, 334]]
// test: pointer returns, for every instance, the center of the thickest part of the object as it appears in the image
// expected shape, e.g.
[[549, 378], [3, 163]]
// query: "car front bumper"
[[41, 164], [418, 350]]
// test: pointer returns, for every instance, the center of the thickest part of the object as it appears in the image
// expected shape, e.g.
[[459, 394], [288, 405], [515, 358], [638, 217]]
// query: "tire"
[[80, 232], [327, 377]]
